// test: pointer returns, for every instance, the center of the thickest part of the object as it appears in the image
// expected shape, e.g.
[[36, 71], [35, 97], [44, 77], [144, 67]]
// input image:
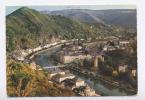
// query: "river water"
[[103, 88], [44, 59]]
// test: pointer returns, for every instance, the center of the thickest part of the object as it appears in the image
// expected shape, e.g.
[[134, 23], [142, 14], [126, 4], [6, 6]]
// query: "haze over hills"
[[119, 17]]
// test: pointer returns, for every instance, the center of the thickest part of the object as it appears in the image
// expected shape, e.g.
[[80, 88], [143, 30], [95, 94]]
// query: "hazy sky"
[[10, 9]]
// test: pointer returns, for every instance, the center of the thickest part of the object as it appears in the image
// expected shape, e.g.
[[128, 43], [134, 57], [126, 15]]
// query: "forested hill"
[[117, 17], [28, 28]]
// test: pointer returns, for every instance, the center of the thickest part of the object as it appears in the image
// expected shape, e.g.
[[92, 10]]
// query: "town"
[[107, 59]]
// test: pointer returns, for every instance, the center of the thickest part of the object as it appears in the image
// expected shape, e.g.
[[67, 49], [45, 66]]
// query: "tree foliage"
[[24, 81]]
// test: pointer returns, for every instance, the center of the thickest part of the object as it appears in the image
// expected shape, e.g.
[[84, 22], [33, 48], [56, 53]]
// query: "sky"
[[10, 9]]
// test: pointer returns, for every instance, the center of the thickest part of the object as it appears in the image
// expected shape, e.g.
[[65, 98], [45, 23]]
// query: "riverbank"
[[103, 86], [102, 79]]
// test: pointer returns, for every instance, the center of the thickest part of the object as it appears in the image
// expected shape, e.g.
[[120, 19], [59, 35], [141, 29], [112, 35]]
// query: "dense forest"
[[28, 28]]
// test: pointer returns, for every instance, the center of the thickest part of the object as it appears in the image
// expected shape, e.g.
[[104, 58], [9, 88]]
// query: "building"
[[90, 92], [122, 68], [109, 48], [19, 55], [71, 52], [124, 42], [70, 58], [53, 73], [133, 72], [24, 53], [79, 83], [47, 46], [63, 77], [67, 57], [97, 59], [87, 91], [29, 51], [105, 48], [37, 48]]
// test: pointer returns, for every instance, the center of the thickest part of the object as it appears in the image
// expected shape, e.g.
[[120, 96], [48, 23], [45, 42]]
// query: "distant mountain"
[[26, 28], [116, 17]]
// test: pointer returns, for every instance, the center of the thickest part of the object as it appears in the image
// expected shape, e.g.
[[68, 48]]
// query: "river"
[[44, 59]]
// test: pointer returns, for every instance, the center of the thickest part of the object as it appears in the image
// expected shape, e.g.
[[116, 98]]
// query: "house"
[[24, 53], [133, 72], [98, 58], [80, 82], [124, 42], [19, 55], [62, 41], [90, 92], [53, 73], [37, 48], [122, 68], [105, 48], [109, 48], [29, 51], [63, 77], [47, 46], [87, 91], [19, 58]]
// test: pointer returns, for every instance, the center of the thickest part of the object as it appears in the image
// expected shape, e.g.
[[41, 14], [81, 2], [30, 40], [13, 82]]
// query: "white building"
[[124, 42], [97, 59], [70, 58], [62, 41], [37, 48], [89, 92], [47, 46], [24, 53], [109, 48], [79, 83], [63, 77], [20, 58], [29, 51], [133, 72], [53, 73], [105, 48], [122, 68]]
